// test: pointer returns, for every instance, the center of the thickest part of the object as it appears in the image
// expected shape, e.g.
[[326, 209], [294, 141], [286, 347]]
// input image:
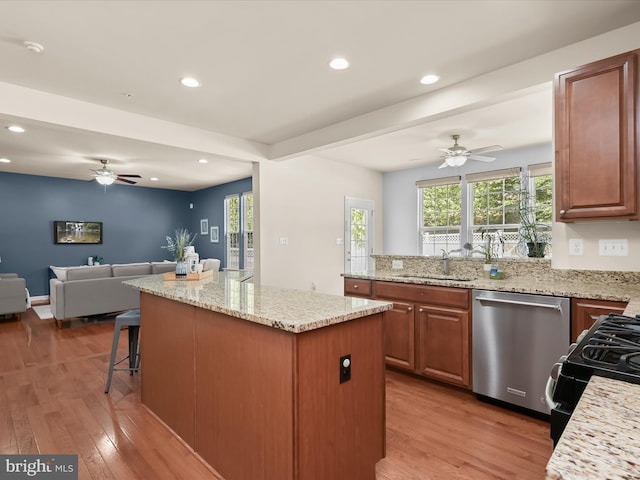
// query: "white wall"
[[303, 200]]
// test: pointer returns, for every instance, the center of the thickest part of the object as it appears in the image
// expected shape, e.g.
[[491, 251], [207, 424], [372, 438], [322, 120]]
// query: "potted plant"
[[178, 246], [533, 233], [492, 241]]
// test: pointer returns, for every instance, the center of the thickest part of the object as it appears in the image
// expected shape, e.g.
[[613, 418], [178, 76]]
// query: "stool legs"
[[112, 359], [131, 320]]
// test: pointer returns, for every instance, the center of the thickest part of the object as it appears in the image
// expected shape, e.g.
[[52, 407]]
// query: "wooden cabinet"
[[585, 312], [596, 115], [399, 328], [427, 331], [442, 344], [354, 287]]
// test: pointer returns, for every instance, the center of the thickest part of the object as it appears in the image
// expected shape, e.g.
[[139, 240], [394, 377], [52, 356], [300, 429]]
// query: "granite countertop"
[[592, 289], [602, 438], [286, 309]]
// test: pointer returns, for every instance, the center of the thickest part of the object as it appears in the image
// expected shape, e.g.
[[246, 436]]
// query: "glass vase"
[[181, 269]]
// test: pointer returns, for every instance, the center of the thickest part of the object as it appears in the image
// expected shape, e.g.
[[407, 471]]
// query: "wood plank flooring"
[[52, 400]]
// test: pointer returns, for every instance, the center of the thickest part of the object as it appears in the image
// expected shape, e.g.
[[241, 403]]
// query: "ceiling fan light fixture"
[[105, 179], [456, 160]]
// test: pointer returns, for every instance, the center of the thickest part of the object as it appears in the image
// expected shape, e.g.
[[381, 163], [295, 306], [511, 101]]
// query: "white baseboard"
[[40, 298]]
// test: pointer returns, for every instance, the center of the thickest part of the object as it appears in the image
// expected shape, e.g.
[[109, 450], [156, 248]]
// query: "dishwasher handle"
[[516, 302]]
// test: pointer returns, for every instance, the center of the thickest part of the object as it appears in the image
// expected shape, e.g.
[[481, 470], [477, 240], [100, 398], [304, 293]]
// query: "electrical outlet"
[[613, 248], [576, 246], [345, 368], [396, 264]]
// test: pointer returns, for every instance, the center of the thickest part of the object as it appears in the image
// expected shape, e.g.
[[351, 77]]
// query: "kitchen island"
[[251, 377]]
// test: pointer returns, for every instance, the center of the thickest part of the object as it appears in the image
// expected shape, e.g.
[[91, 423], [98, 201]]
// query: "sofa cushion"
[[163, 267], [129, 269], [83, 272]]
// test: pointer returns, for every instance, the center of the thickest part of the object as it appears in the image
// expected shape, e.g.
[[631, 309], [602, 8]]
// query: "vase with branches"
[[178, 246]]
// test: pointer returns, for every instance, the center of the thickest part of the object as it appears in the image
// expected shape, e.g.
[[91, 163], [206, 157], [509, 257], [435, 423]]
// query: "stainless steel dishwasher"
[[516, 340]]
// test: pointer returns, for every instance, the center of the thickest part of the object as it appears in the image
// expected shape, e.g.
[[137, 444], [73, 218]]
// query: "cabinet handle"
[[409, 309], [562, 212], [420, 310], [355, 286]]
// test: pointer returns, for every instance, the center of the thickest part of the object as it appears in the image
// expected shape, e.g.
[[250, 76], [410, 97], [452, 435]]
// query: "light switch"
[[613, 248], [284, 240]]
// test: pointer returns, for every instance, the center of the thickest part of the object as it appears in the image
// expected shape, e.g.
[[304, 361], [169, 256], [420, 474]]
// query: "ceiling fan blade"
[[126, 181], [445, 164], [480, 158], [131, 176], [490, 148]]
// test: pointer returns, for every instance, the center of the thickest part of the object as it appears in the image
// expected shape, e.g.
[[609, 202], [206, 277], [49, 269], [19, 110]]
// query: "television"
[[73, 233]]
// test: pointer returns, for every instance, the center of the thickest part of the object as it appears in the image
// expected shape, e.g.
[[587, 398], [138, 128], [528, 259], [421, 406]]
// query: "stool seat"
[[131, 320]]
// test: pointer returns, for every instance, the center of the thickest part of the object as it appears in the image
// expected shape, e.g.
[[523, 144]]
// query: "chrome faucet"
[[445, 263]]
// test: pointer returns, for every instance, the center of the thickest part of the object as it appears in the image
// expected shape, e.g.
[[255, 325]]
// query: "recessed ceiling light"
[[5, 160], [154, 179], [429, 79], [203, 160], [15, 129], [33, 47], [339, 63], [190, 82]]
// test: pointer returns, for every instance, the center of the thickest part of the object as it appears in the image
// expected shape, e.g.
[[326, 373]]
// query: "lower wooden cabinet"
[[442, 344], [584, 312], [399, 328], [428, 330]]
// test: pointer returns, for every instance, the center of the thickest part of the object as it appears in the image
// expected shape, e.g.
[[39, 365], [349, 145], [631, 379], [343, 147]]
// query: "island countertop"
[[230, 293]]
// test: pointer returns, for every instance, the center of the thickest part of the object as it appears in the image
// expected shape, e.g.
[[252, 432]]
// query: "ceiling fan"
[[457, 155], [104, 176]]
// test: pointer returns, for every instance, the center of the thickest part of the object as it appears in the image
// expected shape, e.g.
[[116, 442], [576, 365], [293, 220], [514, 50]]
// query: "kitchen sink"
[[434, 277]]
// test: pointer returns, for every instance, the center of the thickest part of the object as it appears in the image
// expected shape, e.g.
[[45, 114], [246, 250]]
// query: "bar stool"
[[131, 320]]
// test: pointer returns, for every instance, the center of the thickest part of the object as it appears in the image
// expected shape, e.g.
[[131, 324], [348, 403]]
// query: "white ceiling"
[[265, 79]]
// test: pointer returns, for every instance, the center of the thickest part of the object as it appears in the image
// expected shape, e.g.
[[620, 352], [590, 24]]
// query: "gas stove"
[[610, 348]]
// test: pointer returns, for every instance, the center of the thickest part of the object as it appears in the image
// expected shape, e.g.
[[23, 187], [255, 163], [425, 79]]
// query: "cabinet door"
[[399, 335], [442, 344], [585, 312], [595, 122]]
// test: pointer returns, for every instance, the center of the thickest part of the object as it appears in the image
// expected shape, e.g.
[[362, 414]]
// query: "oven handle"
[[514, 302], [551, 383]]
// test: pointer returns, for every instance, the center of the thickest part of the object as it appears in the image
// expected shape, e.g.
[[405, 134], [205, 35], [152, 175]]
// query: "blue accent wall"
[[136, 221]]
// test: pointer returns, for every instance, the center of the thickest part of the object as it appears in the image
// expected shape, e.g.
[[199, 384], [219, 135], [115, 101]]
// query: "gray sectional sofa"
[[93, 290]]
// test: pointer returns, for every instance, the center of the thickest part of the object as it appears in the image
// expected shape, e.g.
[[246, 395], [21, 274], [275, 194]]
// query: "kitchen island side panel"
[[166, 351], [244, 397], [341, 426]]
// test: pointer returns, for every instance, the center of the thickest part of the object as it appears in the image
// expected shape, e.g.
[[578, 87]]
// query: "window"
[[232, 230], [495, 200], [440, 207], [451, 215], [247, 229]]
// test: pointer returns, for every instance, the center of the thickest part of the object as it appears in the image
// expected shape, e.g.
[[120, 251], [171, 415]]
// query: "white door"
[[358, 236]]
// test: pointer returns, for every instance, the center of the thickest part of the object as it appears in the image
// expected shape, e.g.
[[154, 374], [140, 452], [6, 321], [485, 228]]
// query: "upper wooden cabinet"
[[596, 115]]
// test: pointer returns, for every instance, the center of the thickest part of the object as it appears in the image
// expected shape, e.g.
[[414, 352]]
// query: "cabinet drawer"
[[354, 286], [424, 294]]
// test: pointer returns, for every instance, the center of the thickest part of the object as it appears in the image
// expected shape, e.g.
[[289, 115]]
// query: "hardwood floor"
[[52, 401]]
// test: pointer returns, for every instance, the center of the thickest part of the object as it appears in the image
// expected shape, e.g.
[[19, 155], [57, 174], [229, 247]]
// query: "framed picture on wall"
[[204, 226], [72, 232], [215, 238]]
